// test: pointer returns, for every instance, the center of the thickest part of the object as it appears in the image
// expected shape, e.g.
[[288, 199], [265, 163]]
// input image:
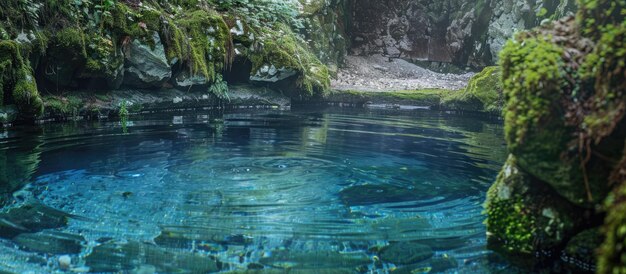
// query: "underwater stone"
[[375, 194], [317, 259], [31, 218], [185, 237], [405, 253], [65, 262], [432, 265], [50, 242], [146, 67], [112, 257]]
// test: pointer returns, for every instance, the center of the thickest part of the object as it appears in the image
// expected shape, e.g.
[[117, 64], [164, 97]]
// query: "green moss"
[[26, 96], [510, 224], [595, 15], [17, 80], [612, 255], [103, 57], [606, 67], [283, 49], [526, 217], [71, 40], [483, 93], [531, 70], [209, 43], [62, 105]]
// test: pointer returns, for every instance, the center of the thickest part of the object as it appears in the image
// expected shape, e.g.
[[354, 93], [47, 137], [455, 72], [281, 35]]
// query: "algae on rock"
[[483, 93], [17, 82], [564, 124], [527, 220]]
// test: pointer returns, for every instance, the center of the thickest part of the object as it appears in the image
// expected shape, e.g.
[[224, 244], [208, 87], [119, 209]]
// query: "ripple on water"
[[275, 190]]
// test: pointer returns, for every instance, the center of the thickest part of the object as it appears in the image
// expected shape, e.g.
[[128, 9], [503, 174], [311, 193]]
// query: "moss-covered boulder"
[[65, 57], [284, 51], [539, 81], [612, 258], [17, 84], [404, 253], [528, 221], [483, 93], [105, 61]]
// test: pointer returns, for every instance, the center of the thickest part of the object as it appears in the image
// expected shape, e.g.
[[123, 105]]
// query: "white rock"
[[65, 261]]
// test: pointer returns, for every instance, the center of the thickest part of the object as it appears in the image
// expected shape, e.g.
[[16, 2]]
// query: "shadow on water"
[[307, 190]]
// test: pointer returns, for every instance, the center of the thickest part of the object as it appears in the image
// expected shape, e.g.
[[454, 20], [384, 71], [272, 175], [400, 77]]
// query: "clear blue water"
[[310, 191]]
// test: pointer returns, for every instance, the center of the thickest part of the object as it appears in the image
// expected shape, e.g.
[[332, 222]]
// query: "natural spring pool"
[[310, 191]]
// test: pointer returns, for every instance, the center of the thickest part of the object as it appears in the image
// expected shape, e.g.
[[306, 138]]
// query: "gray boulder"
[[146, 66]]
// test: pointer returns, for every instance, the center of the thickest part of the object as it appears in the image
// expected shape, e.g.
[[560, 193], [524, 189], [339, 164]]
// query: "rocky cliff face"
[[460, 32]]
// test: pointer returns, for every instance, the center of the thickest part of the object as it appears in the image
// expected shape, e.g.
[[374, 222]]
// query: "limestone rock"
[[462, 32], [146, 67], [271, 74]]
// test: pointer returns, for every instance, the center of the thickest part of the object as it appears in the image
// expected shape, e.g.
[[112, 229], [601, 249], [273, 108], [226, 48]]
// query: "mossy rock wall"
[[565, 101], [17, 84], [93, 46]]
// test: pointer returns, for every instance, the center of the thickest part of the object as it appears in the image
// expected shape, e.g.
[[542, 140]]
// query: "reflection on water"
[[306, 191]]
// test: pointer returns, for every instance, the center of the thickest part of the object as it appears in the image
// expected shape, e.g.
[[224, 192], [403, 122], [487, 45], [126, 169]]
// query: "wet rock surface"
[[146, 66], [579, 253], [405, 253], [432, 265], [112, 257], [50, 242], [315, 259], [31, 218]]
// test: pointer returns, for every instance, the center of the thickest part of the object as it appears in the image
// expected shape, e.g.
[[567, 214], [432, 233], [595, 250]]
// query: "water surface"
[[301, 190]]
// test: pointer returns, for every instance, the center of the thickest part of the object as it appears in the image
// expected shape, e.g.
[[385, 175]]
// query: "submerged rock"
[[432, 265], [186, 237], [146, 66], [31, 218], [113, 257], [375, 194], [405, 253], [317, 259], [50, 242]]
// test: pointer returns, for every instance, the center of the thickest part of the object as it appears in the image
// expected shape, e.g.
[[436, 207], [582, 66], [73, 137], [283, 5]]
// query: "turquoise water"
[[333, 191]]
